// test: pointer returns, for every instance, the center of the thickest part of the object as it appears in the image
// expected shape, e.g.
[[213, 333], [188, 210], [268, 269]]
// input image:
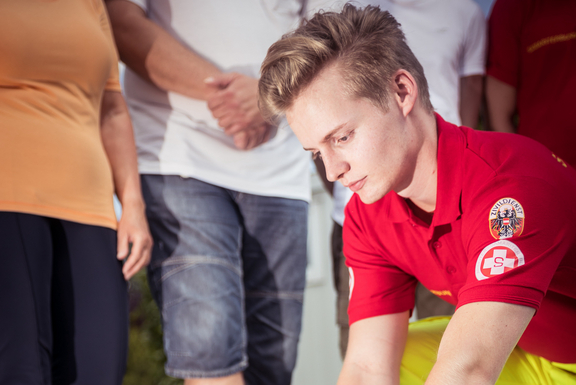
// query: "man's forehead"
[[329, 77], [326, 87]]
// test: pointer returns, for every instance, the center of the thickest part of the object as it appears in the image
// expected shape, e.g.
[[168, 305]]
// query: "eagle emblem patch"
[[506, 219]]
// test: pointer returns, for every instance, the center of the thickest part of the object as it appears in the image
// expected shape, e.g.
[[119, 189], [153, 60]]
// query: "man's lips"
[[357, 185]]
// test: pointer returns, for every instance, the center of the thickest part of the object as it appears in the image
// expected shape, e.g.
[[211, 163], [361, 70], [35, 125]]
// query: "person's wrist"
[[133, 203]]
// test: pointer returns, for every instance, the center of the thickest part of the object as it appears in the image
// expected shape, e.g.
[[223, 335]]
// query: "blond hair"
[[366, 44]]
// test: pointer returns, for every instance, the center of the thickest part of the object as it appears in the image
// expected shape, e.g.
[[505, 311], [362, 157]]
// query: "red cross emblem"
[[498, 258]]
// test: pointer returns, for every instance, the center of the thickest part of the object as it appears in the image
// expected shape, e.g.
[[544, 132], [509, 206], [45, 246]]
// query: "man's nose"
[[335, 166]]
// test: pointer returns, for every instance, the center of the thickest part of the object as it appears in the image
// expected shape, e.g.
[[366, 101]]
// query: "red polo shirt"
[[504, 230], [532, 47]]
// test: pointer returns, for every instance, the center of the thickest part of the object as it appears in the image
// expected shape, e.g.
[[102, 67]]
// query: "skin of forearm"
[[501, 103], [455, 370], [477, 343], [157, 56], [354, 374], [375, 350], [118, 141], [470, 99]]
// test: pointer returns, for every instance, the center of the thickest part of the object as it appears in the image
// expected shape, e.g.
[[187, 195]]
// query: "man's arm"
[[501, 100], [478, 341], [155, 55], [118, 141], [470, 99], [375, 348], [234, 103]]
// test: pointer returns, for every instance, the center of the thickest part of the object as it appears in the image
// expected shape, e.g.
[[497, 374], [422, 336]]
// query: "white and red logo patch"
[[498, 258], [506, 219]]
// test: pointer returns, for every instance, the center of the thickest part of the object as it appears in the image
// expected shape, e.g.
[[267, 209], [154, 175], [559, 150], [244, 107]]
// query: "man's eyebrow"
[[329, 135]]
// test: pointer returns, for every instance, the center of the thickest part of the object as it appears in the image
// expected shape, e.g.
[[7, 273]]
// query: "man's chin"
[[368, 198]]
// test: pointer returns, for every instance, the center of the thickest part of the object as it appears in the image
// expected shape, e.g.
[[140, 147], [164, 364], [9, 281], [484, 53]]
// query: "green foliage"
[[145, 356]]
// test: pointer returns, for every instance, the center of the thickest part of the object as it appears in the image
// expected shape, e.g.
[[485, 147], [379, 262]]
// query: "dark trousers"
[[429, 305], [63, 303], [341, 284]]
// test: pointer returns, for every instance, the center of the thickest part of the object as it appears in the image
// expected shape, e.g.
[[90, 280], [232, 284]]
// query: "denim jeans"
[[228, 273]]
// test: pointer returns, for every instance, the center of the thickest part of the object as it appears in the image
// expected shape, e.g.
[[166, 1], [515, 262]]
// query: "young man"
[[484, 220], [448, 37]]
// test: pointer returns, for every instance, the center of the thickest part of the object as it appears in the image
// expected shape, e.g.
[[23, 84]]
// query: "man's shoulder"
[[504, 152], [495, 162], [477, 158]]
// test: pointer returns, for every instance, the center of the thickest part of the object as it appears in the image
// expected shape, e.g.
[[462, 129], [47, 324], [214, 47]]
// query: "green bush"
[[145, 356]]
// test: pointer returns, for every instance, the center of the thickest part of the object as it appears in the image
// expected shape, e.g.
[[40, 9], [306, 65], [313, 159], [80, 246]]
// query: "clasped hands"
[[233, 101]]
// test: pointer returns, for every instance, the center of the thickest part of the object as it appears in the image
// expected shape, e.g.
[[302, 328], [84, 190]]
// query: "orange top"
[[56, 59]]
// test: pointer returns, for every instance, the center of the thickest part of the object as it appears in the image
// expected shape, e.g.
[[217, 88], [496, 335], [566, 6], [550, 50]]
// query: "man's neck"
[[424, 216], [422, 189]]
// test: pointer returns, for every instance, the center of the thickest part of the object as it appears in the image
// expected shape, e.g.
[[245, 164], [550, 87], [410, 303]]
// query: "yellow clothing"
[[522, 368], [56, 59]]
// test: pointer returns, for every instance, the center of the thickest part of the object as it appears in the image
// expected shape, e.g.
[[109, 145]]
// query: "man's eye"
[[346, 137]]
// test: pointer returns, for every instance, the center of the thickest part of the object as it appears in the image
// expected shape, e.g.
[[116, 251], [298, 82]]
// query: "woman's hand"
[[134, 240]]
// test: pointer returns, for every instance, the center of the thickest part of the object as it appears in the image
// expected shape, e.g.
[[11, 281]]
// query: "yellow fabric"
[[522, 368], [57, 58]]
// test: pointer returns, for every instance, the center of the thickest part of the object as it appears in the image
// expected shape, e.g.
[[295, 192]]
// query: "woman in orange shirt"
[[66, 146]]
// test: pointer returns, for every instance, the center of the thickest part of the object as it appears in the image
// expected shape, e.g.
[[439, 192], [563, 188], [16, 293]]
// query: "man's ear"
[[405, 91]]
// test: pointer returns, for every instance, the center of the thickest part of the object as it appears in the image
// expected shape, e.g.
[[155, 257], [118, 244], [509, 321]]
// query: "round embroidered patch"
[[506, 219], [498, 258]]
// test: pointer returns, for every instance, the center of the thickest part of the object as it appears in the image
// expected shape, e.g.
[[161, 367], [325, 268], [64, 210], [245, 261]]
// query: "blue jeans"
[[228, 273]]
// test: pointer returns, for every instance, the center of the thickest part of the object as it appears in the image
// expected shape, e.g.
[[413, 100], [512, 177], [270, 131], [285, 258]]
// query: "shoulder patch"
[[506, 219], [498, 258]]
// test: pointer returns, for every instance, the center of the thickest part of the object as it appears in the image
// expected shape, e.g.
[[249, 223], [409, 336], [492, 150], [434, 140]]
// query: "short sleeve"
[[377, 287], [474, 51], [517, 236], [504, 28], [113, 82]]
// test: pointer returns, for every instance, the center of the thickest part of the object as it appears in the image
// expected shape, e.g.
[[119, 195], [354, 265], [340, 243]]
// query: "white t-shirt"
[[177, 135], [448, 37]]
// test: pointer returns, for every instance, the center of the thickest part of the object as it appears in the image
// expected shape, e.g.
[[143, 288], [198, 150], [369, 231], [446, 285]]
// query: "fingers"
[[221, 81], [232, 121], [235, 105], [253, 137], [241, 140], [234, 129], [222, 100], [231, 116], [123, 247], [139, 257]]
